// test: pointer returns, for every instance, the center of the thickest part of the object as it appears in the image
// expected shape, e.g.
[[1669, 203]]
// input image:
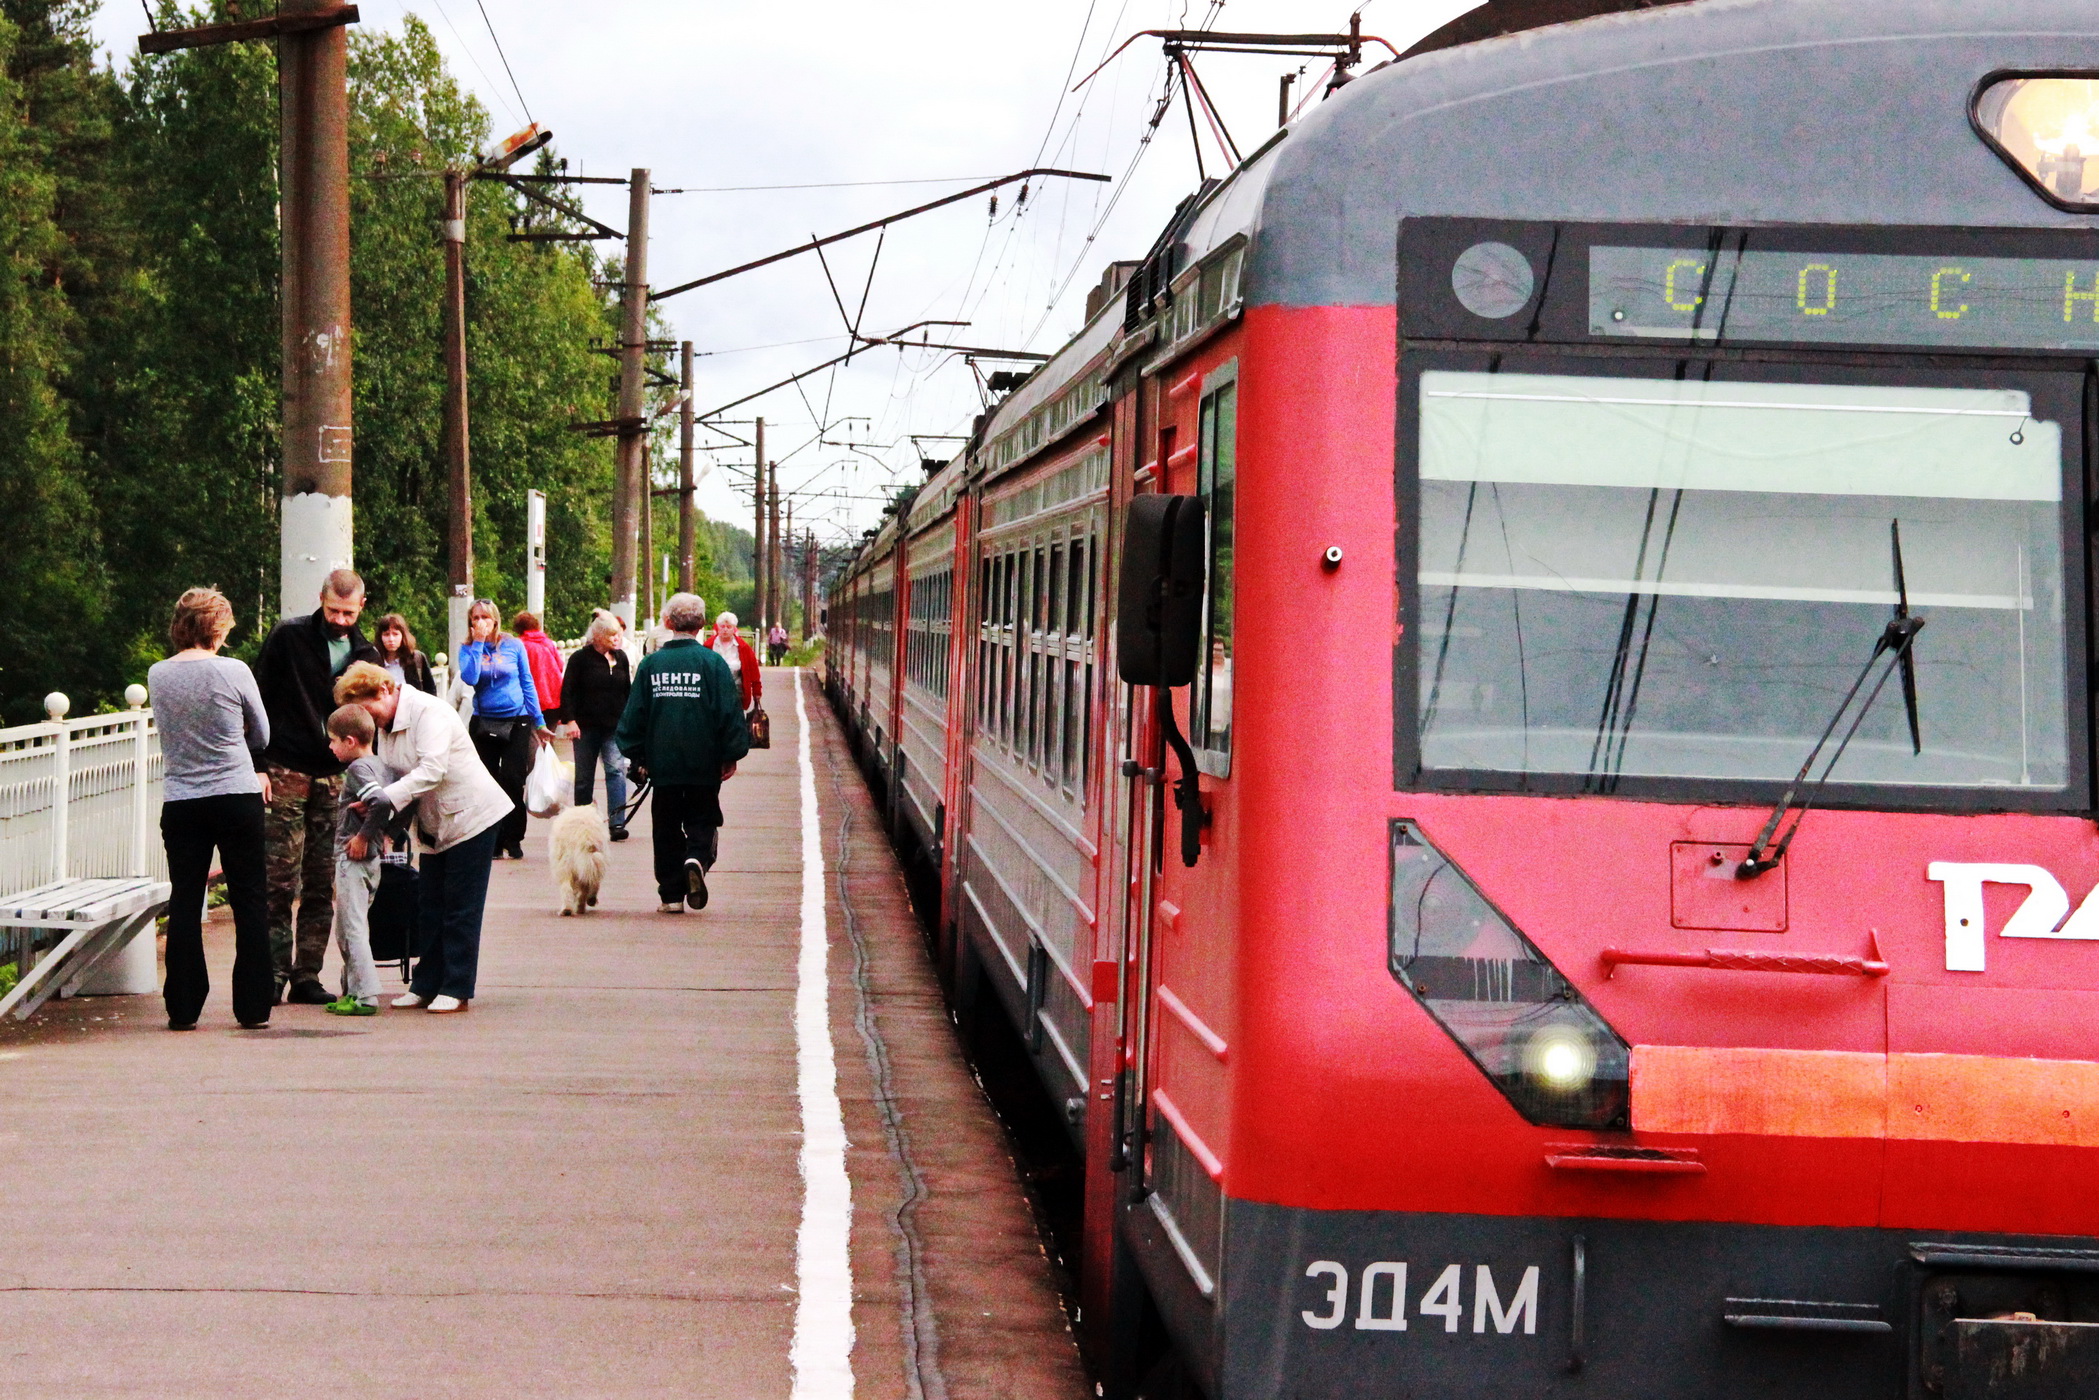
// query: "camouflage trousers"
[[299, 847]]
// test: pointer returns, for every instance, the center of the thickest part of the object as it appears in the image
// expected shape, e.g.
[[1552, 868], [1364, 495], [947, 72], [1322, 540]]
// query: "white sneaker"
[[441, 1004], [407, 1001], [670, 908]]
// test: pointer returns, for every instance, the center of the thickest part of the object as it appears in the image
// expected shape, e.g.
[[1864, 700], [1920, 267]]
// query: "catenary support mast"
[[758, 534], [458, 459], [686, 507], [314, 520], [774, 603], [808, 584], [631, 478]]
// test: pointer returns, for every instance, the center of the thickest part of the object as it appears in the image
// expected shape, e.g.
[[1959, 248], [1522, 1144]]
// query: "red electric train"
[[1511, 722]]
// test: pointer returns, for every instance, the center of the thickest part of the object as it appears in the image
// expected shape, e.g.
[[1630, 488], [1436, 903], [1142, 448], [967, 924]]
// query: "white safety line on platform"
[[823, 1264]]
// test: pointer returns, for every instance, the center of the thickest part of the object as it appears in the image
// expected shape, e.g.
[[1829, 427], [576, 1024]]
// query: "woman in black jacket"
[[593, 694], [398, 656]]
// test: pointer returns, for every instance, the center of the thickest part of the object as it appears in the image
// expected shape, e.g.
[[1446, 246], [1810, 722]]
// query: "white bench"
[[95, 918]]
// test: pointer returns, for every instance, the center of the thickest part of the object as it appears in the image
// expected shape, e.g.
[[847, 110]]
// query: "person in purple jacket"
[[507, 723]]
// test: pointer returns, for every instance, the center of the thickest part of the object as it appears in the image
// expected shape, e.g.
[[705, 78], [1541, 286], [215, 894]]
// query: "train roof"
[[1736, 112], [1720, 112]]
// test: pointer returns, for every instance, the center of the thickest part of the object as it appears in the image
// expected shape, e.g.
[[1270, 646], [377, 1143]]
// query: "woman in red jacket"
[[729, 644], [545, 659]]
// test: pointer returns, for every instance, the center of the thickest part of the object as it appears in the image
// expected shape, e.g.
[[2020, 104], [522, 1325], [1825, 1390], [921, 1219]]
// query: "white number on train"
[[1381, 1299], [2036, 917]]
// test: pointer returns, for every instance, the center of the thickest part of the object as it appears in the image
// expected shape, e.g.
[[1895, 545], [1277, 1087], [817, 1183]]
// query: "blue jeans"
[[454, 891], [590, 745]]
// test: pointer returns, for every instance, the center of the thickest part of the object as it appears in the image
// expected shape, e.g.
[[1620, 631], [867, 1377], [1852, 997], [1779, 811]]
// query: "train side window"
[[1054, 670], [1092, 650], [1076, 625], [1216, 481], [1010, 662], [1017, 655], [983, 638], [1031, 574]]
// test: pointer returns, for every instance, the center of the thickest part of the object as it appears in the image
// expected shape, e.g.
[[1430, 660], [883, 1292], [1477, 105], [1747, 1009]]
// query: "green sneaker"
[[351, 1006]]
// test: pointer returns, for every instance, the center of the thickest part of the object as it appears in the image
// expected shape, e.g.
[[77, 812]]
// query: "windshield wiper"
[[1895, 642]]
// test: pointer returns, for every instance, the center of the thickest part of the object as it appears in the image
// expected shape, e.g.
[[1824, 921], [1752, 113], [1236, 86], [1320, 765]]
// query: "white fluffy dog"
[[576, 848]]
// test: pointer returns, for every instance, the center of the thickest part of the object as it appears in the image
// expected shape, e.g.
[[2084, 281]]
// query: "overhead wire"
[[473, 58], [830, 185], [505, 58]]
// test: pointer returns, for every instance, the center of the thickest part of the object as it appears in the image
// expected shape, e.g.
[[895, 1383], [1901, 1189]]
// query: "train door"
[[1128, 745]]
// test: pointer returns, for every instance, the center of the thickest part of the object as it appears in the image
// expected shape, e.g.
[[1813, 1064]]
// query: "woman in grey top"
[[212, 733]]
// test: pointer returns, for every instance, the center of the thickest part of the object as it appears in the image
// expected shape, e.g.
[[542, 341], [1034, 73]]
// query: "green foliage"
[[51, 587], [139, 353], [182, 398]]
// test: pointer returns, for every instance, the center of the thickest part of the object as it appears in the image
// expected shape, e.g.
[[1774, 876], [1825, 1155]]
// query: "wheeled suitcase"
[[394, 912]]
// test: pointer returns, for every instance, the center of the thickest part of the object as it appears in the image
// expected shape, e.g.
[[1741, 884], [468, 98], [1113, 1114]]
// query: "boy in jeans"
[[360, 838]]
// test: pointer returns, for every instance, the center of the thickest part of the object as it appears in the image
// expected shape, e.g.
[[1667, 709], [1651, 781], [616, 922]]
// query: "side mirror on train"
[[1159, 627], [1159, 606]]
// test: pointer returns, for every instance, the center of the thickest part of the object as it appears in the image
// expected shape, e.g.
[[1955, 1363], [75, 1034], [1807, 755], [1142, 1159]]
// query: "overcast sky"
[[927, 95]]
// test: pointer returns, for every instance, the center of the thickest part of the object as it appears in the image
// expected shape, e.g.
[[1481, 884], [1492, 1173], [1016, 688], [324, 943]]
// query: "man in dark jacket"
[[684, 725], [296, 674]]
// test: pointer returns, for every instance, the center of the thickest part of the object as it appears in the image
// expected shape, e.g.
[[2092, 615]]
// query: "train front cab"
[[1462, 1063]]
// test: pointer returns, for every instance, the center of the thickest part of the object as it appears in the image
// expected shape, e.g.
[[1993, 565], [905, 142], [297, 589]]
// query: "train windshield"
[[1627, 577]]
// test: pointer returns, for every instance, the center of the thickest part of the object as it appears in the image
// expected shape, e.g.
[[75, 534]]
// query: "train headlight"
[[1562, 1057], [1528, 1028], [2046, 126]]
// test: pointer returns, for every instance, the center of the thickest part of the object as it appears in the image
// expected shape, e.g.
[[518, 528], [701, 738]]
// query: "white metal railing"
[[79, 797]]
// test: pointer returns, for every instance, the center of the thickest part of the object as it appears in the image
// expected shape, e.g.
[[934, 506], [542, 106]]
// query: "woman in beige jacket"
[[459, 813]]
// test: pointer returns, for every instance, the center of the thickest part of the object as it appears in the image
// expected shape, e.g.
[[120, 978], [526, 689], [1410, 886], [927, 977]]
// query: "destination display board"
[[1752, 295]]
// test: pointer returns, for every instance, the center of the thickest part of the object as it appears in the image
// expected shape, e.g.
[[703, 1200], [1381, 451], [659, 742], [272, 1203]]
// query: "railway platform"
[[593, 1185]]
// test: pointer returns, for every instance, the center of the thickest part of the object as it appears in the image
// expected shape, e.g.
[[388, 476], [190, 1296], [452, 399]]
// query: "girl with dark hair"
[[398, 656]]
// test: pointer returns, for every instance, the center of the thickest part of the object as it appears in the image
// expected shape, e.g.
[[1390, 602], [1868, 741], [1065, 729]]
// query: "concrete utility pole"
[[787, 587], [458, 468], [687, 524], [631, 479], [808, 584], [535, 555], [645, 547], [314, 525], [774, 603], [758, 534]]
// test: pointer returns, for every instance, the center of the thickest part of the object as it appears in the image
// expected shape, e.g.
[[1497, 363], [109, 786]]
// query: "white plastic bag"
[[550, 786]]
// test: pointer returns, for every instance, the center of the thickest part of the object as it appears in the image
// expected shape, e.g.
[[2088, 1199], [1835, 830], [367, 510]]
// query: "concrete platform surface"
[[586, 1186]]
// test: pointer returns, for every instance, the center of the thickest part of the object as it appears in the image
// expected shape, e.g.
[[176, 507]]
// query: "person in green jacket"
[[684, 728]]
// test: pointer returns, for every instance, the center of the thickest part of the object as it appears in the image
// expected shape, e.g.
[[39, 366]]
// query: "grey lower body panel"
[[1320, 1305]]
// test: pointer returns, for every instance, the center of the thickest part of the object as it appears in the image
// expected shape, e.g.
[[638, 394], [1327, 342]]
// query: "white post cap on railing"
[[56, 704], [135, 696]]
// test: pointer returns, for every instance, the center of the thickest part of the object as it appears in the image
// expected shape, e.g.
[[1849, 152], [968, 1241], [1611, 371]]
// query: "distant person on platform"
[[685, 729], [776, 644], [296, 673], [729, 645], [593, 697], [397, 654], [506, 713]]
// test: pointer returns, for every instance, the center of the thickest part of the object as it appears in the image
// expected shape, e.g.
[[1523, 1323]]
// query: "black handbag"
[[498, 731], [394, 913], [761, 728]]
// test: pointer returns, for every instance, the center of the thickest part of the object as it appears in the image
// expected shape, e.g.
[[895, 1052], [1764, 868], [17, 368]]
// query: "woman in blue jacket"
[[506, 715]]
